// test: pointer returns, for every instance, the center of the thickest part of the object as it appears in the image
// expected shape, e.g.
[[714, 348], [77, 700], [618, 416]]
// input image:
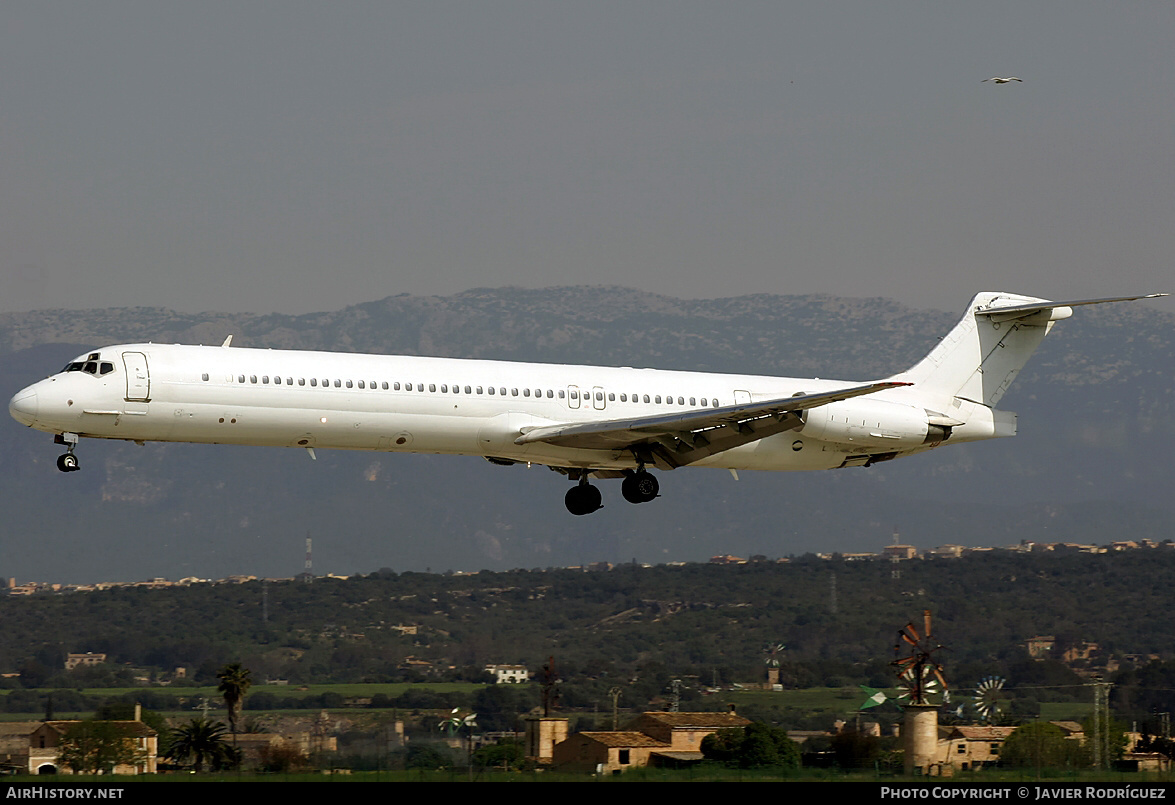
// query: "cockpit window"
[[91, 365]]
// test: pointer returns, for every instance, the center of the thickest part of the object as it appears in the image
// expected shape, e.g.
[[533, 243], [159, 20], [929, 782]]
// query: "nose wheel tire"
[[582, 499], [68, 463], [640, 487]]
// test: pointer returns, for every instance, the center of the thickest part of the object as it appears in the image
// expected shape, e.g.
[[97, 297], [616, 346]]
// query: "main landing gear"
[[638, 487], [583, 498], [67, 462]]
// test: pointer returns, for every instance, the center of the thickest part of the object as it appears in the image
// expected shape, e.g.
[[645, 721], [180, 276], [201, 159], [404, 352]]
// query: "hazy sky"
[[298, 156]]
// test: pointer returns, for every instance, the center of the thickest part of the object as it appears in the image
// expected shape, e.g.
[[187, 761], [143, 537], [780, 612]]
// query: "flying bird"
[[999, 80]]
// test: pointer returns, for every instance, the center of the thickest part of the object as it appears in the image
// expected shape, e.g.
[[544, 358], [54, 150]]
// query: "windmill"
[[454, 723], [919, 676], [876, 697], [771, 660], [989, 698]]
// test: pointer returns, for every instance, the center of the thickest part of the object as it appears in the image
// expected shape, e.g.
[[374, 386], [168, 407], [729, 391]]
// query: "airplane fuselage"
[[280, 398]]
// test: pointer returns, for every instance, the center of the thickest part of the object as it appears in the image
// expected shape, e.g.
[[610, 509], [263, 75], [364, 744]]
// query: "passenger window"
[[338, 383], [362, 385], [469, 391], [681, 400], [623, 398], [420, 387], [561, 394], [204, 377], [647, 398], [502, 391], [444, 388], [658, 398], [525, 393], [479, 389], [252, 378], [491, 390], [715, 402], [265, 379], [693, 401], [432, 386], [240, 378], [550, 394], [385, 385], [277, 381], [350, 384], [301, 381], [514, 392], [314, 381]]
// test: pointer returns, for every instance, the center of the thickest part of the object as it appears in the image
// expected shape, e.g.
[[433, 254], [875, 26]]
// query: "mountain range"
[[1089, 465]]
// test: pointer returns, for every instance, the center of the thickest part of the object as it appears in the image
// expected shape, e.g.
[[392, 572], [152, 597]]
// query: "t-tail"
[[978, 359]]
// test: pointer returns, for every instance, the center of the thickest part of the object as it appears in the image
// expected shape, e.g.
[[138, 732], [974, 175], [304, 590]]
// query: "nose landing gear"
[[67, 462]]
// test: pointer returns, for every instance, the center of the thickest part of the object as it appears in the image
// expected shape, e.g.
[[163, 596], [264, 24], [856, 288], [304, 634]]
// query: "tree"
[[202, 741], [505, 754], [235, 682], [855, 750], [98, 746], [1042, 745], [756, 746], [428, 756], [281, 759]]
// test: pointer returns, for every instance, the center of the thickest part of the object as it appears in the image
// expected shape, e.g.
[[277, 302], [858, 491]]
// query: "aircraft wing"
[[667, 441]]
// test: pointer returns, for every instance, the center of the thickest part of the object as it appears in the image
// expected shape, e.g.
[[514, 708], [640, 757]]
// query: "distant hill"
[[1096, 425]]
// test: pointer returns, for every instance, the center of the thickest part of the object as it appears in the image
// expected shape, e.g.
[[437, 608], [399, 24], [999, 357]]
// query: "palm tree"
[[235, 682], [202, 740]]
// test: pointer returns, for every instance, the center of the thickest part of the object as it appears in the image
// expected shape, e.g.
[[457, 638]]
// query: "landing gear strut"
[[67, 462], [639, 487], [583, 498]]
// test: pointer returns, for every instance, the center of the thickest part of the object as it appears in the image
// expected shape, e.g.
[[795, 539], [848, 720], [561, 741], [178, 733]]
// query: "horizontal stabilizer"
[[1020, 311]]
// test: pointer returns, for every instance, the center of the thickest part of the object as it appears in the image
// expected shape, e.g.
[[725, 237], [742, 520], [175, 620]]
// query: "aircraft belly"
[[785, 452]]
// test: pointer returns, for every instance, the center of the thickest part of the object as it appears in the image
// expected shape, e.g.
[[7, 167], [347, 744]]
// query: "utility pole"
[[1100, 740]]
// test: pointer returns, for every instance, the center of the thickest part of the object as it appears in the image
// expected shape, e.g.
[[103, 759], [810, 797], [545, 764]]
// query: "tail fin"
[[981, 356]]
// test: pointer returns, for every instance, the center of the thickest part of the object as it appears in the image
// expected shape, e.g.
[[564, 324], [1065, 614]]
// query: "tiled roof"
[[623, 739], [698, 720], [984, 733]]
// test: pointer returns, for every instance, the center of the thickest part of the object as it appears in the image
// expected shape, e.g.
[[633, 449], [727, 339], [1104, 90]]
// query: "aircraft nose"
[[23, 406]]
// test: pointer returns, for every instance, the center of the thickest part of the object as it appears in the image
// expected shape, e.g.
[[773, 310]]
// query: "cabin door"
[[138, 379]]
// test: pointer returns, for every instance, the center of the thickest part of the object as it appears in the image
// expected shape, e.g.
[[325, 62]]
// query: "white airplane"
[[610, 422]]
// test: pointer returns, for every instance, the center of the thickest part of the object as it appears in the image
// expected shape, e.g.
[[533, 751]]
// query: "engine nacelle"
[[872, 423]]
